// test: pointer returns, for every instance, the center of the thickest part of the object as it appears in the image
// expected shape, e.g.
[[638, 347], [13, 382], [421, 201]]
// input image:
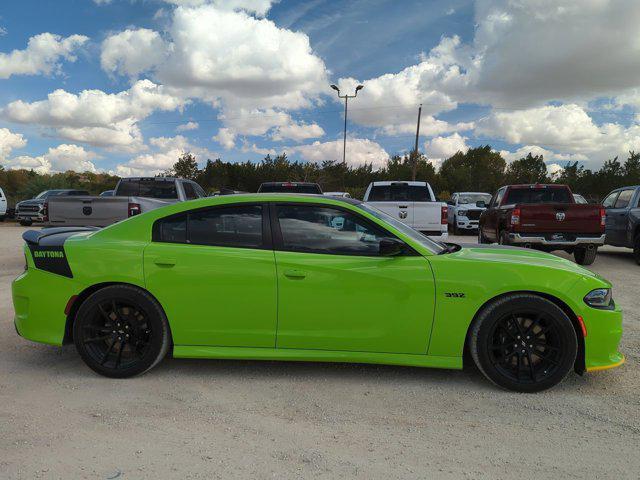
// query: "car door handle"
[[403, 206], [294, 273], [165, 262]]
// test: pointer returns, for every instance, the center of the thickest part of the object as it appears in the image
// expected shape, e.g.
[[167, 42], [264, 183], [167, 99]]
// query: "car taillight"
[[603, 218], [134, 209], [45, 211], [443, 215], [515, 216]]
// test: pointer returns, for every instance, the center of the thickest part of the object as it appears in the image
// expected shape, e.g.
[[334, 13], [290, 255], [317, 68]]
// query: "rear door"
[[213, 271]]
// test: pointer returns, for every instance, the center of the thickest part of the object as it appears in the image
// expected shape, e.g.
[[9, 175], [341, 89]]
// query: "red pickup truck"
[[545, 217]]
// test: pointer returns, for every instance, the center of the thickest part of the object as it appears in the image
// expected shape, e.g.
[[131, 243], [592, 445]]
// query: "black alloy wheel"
[[121, 331], [523, 342]]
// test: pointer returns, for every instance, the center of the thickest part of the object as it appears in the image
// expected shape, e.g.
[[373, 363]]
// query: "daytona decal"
[[51, 259]]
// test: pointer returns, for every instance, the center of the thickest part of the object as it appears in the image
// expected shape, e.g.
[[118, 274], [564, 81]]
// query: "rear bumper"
[[523, 239]]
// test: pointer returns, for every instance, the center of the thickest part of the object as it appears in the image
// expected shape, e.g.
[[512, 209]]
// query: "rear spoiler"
[[37, 237]]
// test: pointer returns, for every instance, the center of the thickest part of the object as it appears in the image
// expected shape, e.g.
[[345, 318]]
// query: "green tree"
[[529, 169], [186, 166], [479, 169]]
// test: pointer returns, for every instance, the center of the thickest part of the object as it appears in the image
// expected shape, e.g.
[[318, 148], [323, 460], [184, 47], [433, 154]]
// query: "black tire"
[[456, 230], [503, 238], [2, 217], [584, 255], [520, 366], [636, 249], [121, 331], [26, 223], [481, 238]]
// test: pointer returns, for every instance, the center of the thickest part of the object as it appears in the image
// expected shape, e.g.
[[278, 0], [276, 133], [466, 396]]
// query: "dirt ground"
[[231, 419]]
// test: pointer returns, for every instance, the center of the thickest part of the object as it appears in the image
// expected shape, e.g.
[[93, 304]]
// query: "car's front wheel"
[[121, 331], [523, 342]]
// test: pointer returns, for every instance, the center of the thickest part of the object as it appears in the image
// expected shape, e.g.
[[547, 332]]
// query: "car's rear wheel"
[[584, 255], [636, 249], [524, 343], [121, 331]]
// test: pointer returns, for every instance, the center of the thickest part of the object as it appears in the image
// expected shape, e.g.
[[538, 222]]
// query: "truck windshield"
[[472, 198], [431, 245], [400, 192], [151, 188], [538, 195]]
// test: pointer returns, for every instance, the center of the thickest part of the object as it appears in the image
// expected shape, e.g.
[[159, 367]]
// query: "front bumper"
[[523, 239], [464, 223], [33, 216], [604, 332]]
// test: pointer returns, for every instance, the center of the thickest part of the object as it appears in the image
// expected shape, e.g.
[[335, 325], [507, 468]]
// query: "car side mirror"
[[390, 247], [481, 204]]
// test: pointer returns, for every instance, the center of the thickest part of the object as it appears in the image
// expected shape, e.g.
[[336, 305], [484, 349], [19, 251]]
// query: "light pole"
[[346, 103]]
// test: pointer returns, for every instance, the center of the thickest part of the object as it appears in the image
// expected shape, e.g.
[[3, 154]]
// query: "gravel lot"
[[231, 419]]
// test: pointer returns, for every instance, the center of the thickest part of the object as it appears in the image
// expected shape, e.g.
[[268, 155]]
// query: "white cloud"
[[259, 7], [187, 127], [57, 159], [548, 155], [297, 132], [439, 149], [95, 117], [226, 138], [10, 141], [359, 152], [166, 152], [42, 55], [132, 52]]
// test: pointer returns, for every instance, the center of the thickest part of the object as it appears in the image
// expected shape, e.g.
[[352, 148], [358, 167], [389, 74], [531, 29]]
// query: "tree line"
[[479, 169]]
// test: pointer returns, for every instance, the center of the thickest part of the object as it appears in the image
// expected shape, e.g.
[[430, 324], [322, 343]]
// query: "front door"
[[213, 271], [335, 292]]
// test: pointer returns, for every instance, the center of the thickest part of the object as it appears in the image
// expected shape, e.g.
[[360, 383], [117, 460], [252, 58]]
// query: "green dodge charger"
[[310, 278]]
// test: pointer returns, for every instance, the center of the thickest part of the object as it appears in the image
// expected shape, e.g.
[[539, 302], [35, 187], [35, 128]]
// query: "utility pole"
[[415, 150], [346, 103]]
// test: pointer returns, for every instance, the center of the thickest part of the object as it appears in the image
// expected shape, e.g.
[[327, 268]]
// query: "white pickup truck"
[[131, 197], [3, 205], [413, 203]]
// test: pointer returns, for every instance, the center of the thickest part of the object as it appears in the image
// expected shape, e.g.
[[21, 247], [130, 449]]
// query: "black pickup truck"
[[623, 219]]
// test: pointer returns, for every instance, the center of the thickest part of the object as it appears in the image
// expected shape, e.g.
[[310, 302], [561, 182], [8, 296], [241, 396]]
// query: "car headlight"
[[599, 298], [462, 213]]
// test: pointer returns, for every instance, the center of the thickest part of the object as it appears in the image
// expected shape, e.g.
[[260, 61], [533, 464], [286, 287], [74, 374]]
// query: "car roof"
[[537, 185], [289, 197], [158, 179], [288, 183]]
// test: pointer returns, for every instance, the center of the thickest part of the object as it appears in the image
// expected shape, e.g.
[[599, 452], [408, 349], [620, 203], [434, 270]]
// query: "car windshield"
[[399, 192], [151, 188], [50, 193], [472, 198], [433, 246], [290, 188], [538, 195]]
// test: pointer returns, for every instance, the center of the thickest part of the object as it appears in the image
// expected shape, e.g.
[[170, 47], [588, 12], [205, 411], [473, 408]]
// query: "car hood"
[[30, 202], [516, 255]]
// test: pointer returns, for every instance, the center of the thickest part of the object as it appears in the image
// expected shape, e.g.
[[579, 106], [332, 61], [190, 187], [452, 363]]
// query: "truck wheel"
[[26, 223], [482, 240], [121, 331], [504, 238], [636, 249], [2, 217], [584, 255], [456, 230], [523, 342]]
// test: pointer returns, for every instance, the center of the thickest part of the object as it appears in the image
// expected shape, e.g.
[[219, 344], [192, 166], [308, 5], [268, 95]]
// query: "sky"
[[127, 86]]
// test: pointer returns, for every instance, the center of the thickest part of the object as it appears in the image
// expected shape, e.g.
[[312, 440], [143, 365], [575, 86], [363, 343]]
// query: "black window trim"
[[267, 242], [278, 242]]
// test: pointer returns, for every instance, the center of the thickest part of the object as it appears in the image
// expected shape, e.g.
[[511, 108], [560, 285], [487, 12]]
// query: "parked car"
[[132, 196], [623, 219], [36, 209], [465, 209], [290, 187], [413, 203], [107, 193], [579, 198], [545, 217], [207, 279], [3, 205], [338, 194]]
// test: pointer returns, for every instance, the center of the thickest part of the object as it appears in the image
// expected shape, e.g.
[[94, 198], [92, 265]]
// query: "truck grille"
[[29, 209], [474, 214]]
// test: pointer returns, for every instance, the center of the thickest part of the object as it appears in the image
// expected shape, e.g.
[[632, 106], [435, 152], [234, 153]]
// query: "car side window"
[[234, 226], [624, 198], [189, 191], [610, 200], [320, 229]]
